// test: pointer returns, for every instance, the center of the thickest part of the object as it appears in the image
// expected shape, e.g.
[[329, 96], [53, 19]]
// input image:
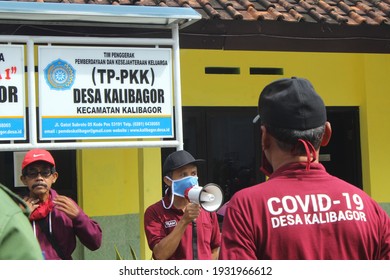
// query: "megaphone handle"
[[194, 241]]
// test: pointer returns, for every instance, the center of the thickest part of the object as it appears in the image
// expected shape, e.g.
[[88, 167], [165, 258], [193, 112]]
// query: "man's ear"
[[167, 181], [265, 143], [23, 179], [327, 134], [55, 177]]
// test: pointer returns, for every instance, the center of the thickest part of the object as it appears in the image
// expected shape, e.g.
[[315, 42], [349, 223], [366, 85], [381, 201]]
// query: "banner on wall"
[[12, 93], [101, 93]]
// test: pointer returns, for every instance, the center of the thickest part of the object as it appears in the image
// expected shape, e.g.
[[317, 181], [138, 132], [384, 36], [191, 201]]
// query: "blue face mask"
[[180, 186]]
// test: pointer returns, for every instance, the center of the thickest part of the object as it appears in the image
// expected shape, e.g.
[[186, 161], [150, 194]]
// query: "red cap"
[[37, 155]]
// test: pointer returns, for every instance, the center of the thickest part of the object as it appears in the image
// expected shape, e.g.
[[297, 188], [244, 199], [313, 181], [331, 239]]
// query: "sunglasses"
[[32, 174]]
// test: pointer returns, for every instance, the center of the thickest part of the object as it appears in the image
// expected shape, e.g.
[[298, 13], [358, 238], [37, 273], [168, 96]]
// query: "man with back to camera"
[[301, 211], [56, 219], [169, 223]]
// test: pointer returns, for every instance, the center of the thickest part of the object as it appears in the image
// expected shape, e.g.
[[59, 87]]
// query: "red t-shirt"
[[159, 222], [299, 214]]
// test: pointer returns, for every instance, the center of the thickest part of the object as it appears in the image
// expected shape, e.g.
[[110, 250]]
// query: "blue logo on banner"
[[59, 75]]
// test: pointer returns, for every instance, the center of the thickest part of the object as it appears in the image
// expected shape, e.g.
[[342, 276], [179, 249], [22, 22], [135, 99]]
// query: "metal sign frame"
[[140, 17]]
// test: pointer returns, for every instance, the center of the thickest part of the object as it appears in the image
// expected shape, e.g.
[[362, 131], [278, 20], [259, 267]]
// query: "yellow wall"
[[337, 77], [150, 189], [110, 177], [377, 126], [341, 79]]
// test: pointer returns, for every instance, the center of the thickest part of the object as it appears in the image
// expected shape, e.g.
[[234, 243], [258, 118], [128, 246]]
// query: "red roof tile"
[[339, 12]]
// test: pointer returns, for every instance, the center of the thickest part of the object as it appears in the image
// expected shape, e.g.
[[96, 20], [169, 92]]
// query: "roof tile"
[[350, 12]]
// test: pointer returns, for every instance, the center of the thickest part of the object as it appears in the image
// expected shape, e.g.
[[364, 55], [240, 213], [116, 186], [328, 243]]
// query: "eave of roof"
[[75, 14]]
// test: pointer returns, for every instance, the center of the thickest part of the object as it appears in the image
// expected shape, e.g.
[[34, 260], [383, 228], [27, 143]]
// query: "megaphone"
[[209, 197]]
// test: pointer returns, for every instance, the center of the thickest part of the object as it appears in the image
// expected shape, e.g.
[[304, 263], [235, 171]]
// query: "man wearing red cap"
[[56, 219]]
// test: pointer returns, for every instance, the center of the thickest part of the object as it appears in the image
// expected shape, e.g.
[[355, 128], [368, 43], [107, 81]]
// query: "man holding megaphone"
[[184, 224]]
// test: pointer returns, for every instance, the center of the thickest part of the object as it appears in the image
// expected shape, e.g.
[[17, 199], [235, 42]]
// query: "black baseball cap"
[[178, 159], [291, 103]]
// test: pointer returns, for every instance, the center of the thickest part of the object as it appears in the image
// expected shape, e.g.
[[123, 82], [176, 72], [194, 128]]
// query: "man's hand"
[[67, 206], [191, 212], [168, 245], [32, 203]]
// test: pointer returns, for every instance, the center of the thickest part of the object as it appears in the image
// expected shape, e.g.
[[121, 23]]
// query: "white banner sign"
[[12, 94], [96, 92]]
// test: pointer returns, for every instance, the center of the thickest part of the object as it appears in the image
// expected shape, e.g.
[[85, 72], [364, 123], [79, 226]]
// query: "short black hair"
[[287, 139]]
